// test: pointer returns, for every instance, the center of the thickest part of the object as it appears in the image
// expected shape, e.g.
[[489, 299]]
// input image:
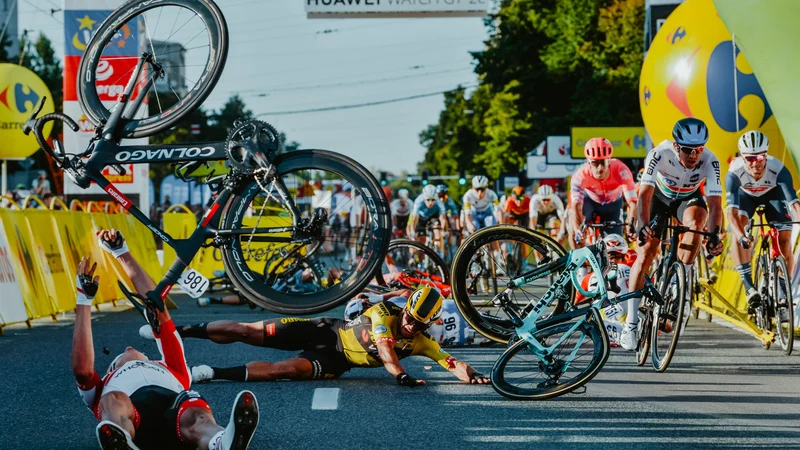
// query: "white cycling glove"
[[116, 247], [87, 289]]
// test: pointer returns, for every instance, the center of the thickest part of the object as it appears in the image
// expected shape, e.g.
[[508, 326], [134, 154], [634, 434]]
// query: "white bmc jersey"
[[750, 185], [401, 207], [673, 181], [472, 203], [537, 207]]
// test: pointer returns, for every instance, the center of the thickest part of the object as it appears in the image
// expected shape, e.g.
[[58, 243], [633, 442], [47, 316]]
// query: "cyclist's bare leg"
[[644, 260], [741, 255], [291, 369], [785, 241], [695, 218], [228, 331], [117, 407]]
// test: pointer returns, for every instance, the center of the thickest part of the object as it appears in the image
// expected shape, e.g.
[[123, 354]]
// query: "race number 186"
[[193, 283]]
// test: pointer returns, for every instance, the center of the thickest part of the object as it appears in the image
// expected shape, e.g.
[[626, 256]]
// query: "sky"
[[280, 61]]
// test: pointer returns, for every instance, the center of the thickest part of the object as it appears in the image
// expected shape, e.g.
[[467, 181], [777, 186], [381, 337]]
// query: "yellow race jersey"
[[381, 322]]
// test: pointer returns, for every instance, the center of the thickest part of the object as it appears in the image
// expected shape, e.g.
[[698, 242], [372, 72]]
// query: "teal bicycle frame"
[[526, 328]]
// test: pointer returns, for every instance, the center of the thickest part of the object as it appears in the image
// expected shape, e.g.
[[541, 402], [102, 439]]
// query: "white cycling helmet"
[[429, 192], [480, 181], [753, 142], [402, 194], [615, 243], [545, 191]]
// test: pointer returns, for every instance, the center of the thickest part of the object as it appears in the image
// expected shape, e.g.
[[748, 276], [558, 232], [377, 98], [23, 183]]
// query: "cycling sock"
[[238, 373], [746, 273], [633, 311], [198, 331]]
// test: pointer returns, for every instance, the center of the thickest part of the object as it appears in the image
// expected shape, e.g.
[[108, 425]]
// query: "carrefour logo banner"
[[20, 93], [628, 142]]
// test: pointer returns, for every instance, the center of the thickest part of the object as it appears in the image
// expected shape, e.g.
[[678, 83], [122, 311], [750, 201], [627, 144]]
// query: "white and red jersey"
[[170, 373], [618, 183]]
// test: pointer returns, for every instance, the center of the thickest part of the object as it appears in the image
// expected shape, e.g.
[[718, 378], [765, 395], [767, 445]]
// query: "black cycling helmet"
[[690, 132]]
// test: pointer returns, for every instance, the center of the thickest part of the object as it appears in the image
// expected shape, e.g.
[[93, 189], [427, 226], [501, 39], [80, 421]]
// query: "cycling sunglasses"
[[597, 162], [430, 200], [755, 158], [691, 150], [480, 189]]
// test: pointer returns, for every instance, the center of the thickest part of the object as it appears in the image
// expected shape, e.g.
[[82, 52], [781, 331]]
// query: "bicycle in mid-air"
[[254, 213], [775, 312]]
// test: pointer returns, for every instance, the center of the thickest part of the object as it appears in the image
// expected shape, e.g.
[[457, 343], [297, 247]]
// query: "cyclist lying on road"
[[142, 402], [382, 336]]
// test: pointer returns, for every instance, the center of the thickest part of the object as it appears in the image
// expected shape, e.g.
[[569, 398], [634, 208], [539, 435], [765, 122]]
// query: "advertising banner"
[[332, 9], [558, 151], [82, 18], [628, 142], [12, 308], [539, 169], [21, 90]]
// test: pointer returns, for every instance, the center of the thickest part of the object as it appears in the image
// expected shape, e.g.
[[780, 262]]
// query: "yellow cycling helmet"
[[425, 305]]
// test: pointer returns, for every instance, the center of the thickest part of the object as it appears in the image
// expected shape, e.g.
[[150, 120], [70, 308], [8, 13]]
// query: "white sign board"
[[333, 9], [12, 308], [539, 169], [559, 150]]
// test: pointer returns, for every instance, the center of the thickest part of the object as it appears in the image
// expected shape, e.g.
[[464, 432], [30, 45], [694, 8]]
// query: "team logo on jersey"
[[694, 178]]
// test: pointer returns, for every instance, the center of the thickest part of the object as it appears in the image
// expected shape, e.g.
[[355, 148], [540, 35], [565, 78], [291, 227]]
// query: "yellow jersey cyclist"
[[599, 189], [670, 188], [756, 179], [545, 208], [382, 336], [481, 205]]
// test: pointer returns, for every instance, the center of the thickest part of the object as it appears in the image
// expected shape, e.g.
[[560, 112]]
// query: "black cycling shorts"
[[676, 208], [519, 219], [158, 417], [402, 222], [317, 338], [775, 209], [542, 219], [422, 224], [611, 212]]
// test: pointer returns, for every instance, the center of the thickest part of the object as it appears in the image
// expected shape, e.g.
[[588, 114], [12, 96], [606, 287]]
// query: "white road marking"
[[325, 399]]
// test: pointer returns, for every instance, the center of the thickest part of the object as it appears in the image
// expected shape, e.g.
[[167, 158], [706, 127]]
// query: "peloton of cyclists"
[[597, 190], [480, 205], [670, 187], [756, 179]]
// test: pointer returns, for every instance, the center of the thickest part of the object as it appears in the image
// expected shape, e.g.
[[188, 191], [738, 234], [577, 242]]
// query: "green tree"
[[504, 150]]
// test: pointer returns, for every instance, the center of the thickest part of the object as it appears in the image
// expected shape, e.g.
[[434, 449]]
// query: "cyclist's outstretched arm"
[[82, 342], [392, 363], [646, 192], [113, 242], [786, 185], [732, 185], [714, 212], [465, 372]]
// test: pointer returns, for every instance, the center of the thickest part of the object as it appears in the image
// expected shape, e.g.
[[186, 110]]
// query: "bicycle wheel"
[[519, 374], [331, 275], [782, 304], [187, 38], [644, 329], [761, 279], [668, 318], [478, 264], [405, 254]]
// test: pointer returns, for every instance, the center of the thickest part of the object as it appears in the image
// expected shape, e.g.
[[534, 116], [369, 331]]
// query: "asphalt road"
[[721, 391]]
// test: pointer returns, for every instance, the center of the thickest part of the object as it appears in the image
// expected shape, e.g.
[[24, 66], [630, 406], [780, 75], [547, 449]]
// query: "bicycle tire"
[[643, 349], [661, 361], [435, 258], [461, 266], [762, 285], [784, 314], [90, 102], [302, 304], [600, 354]]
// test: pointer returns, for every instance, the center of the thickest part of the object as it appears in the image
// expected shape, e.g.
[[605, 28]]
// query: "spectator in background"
[[21, 193], [5, 201], [167, 203], [40, 185]]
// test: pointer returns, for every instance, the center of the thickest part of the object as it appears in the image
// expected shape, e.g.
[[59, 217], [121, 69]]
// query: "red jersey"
[[618, 183]]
